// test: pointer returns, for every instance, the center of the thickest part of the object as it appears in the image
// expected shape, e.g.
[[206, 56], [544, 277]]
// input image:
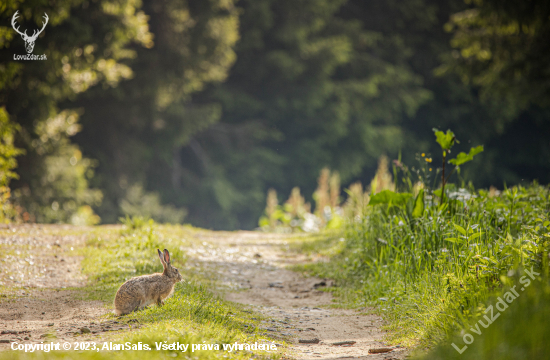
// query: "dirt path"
[[253, 265], [38, 270], [40, 300]]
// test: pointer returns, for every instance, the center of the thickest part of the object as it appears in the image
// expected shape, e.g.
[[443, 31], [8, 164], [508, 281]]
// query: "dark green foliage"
[[502, 48], [310, 88], [510, 132], [86, 43], [204, 105], [8, 151], [134, 129], [138, 130], [138, 203], [8, 162], [56, 184]]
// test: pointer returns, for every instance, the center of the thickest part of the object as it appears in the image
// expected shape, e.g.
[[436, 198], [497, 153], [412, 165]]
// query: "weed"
[[430, 259]]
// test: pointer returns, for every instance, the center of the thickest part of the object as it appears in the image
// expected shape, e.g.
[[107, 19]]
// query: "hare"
[[139, 292]]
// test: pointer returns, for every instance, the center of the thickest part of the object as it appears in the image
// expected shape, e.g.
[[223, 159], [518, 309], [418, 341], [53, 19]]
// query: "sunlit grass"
[[429, 276], [520, 331]]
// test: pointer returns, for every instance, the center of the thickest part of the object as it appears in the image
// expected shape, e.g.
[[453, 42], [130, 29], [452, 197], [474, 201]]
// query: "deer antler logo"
[[29, 40]]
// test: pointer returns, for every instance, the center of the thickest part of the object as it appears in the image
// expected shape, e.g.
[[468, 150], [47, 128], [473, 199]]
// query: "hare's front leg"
[[139, 306], [160, 302]]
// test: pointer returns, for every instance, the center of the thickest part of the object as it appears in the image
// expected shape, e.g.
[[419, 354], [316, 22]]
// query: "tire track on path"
[[252, 267]]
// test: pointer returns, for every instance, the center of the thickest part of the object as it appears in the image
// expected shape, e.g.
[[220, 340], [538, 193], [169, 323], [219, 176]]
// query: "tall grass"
[[432, 271]]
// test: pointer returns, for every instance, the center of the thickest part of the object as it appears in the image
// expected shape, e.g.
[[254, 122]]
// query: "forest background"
[[189, 111]]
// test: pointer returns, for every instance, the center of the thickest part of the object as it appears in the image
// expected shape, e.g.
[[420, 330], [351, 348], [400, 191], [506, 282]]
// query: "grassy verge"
[[434, 273], [512, 325], [193, 315]]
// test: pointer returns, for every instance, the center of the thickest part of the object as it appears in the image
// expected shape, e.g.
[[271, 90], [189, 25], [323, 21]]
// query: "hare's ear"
[[166, 257], [161, 257]]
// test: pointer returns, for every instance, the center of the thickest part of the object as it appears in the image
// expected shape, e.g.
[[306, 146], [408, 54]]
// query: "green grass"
[[193, 315], [520, 331], [430, 276]]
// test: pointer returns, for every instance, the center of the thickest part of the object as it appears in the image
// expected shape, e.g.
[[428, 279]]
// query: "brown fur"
[[141, 291]]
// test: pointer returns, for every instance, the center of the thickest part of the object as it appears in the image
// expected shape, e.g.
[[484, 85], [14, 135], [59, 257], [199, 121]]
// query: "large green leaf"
[[464, 158], [460, 229], [418, 209], [446, 140], [389, 197]]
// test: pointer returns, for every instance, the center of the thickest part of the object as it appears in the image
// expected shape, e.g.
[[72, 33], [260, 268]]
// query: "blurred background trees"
[[192, 110]]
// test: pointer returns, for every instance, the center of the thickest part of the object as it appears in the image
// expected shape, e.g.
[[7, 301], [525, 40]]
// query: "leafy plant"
[[8, 162], [136, 222], [390, 198], [447, 141], [418, 210], [57, 188], [432, 266], [139, 203]]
